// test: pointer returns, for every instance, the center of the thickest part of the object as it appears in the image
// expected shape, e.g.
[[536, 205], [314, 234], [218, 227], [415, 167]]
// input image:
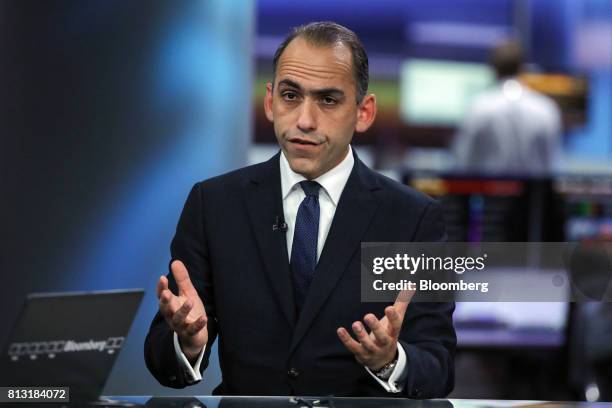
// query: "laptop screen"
[[69, 339]]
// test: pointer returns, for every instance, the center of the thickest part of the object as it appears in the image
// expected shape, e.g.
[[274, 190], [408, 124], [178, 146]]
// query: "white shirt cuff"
[[192, 374], [393, 384]]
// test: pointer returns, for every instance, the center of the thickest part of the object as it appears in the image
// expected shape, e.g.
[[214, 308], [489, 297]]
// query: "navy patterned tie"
[[304, 248]]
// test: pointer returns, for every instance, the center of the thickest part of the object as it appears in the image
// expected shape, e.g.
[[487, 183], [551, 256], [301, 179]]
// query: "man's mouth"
[[306, 142]]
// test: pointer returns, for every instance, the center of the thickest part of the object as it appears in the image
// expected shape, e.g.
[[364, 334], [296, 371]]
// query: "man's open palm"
[[379, 347], [184, 313]]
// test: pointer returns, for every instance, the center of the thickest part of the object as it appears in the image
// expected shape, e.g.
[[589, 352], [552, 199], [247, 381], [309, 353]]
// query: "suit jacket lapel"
[[353, 215], [265, 206]]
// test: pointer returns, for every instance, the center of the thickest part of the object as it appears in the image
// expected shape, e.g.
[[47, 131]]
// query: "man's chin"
[[304, 166]]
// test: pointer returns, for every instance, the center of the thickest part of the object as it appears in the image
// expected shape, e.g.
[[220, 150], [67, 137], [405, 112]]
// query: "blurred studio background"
[[111, 110]]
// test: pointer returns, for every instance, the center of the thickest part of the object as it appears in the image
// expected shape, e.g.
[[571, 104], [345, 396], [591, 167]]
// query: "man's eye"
[[289, 96], [328, 100]]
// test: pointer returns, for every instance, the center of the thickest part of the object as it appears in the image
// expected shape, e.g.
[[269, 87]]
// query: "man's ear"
[[366, 113], [268, 102]]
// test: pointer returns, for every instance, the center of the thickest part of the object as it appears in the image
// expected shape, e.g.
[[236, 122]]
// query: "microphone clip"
[[279, 224]]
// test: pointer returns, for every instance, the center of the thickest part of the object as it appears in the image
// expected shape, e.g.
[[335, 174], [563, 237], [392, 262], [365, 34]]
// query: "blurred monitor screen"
[[436, 92], [477, 208], [586, 206], [492, 209]]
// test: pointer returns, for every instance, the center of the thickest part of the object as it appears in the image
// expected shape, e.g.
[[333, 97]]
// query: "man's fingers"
[[179, 320], [167, 306], [350, 343], [395, 321], [162, 284], [196, 326], [364, 338], [181, 276], [168, 303], [402, 301], [396, 313], [380, 333]]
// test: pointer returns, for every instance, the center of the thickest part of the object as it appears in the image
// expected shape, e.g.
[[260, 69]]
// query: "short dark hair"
[[328, 33], [507, 59]]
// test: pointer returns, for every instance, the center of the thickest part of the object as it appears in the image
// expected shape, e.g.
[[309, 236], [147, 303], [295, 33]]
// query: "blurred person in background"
[[510, 128]]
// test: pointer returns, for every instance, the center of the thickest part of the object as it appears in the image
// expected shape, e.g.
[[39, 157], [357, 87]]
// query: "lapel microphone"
[[279, 224]]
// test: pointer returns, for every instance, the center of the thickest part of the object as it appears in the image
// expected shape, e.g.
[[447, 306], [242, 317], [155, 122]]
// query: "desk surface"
[[286, 402]]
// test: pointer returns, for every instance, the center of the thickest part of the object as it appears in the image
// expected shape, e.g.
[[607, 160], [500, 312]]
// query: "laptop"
[[69, 340]]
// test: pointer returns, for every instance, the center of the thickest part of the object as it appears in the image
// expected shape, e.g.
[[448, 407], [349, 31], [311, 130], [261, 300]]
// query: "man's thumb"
[[181, 276]]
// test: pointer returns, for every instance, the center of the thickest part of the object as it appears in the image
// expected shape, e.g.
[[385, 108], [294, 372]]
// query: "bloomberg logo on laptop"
[[56, 342], [52, 348]]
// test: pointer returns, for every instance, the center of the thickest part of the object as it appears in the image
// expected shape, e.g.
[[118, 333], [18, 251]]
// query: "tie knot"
[[311, 188]]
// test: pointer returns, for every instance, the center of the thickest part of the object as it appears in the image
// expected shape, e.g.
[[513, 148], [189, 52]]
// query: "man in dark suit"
[[267, 257]]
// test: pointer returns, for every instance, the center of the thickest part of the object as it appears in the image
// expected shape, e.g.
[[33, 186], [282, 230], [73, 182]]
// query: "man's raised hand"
[[185, 313], [379, 347]]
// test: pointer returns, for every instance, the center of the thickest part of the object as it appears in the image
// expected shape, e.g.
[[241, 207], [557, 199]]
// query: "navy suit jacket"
[[240, 269]]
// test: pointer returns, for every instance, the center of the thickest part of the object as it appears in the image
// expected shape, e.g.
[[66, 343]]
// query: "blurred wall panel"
[[109, 112]]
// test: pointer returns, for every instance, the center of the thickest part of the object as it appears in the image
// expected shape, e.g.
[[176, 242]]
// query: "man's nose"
[[307, 116]]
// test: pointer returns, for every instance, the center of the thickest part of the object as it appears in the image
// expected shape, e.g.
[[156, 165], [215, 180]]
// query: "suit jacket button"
[[293, 373]]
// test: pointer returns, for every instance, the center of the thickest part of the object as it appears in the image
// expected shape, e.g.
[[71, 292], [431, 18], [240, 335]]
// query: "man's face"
[[314, 108]]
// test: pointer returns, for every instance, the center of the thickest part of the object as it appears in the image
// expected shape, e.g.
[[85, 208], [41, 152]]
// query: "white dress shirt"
[[332, 184]]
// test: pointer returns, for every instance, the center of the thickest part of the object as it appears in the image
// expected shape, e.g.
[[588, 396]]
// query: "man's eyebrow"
[[338, 93], [291, 84]]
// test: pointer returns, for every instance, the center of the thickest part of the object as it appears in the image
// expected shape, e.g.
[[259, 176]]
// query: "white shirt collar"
[[333, 181]]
